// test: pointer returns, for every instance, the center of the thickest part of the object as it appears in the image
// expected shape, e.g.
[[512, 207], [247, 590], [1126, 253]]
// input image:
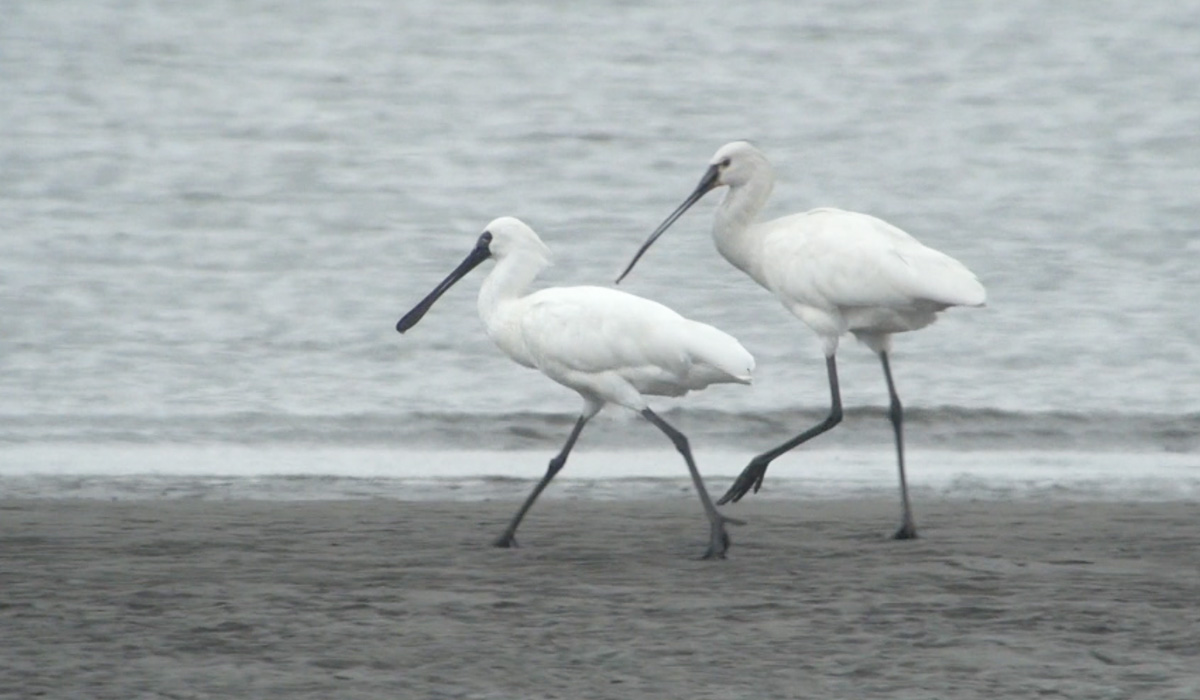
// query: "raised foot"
[[506, 541], [907, 531], [750, 478]]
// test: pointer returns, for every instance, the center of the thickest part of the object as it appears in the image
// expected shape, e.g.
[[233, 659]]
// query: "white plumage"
[[837, 271], [595, 340], [609, 346], [841, 272]]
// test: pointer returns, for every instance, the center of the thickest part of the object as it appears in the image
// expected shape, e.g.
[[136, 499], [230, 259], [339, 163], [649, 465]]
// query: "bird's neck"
[[734, 233], [508, 282]]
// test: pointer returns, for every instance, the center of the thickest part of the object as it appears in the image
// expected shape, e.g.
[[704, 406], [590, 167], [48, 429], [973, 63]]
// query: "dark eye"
[[725, 163]]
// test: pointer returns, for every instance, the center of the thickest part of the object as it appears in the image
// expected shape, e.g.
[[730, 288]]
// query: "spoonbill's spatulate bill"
[[839, 272], [609, 346]]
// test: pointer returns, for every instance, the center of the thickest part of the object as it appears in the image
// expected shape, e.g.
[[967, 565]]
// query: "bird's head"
[[511, 236], [733, 165], [502, 238]]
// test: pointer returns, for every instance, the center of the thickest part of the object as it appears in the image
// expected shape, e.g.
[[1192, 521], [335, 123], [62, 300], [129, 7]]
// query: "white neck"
[[508, 282], [734, 232]]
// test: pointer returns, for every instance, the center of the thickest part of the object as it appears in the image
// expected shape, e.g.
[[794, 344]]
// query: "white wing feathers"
[[829, 258], [595, 329]]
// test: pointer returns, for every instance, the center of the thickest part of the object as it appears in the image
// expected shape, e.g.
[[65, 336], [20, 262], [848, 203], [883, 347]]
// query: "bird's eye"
[[725, 163]]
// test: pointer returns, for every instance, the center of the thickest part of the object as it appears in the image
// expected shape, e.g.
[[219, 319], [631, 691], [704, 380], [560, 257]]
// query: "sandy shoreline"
[[386, 599]]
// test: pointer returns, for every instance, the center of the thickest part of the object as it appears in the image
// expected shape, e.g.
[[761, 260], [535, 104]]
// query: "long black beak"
[[707, 183], [480, 253]]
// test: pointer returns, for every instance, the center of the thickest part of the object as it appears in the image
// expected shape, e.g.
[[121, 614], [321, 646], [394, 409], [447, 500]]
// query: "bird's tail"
[[722, 352]]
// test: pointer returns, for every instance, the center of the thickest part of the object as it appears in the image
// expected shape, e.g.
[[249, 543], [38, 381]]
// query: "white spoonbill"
[[609, 346], [838, 272]]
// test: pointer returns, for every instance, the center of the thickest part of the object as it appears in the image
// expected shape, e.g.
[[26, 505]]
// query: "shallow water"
[[305, 473], [214, 214]]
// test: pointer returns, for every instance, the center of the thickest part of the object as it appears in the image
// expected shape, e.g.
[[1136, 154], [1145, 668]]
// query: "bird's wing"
[[595, 329], [832, 258]]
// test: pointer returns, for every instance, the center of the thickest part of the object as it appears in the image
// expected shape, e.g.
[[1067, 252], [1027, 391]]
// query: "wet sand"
[[386, 599]]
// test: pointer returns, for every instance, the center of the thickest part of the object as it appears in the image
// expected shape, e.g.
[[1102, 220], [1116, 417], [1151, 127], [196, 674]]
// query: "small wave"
[[948, 427], [994, 487]]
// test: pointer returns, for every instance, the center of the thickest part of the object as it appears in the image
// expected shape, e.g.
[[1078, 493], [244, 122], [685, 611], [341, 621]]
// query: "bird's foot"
[[907, 531], [719, 538], [750, 478], [506, 541]]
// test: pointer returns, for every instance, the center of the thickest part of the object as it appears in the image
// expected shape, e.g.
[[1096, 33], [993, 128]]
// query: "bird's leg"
[[508, 539], [718, 538], [752, 476], [908, 528]]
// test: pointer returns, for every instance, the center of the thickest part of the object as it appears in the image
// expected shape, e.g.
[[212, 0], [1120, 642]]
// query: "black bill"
[[480, 253], [707, 183]]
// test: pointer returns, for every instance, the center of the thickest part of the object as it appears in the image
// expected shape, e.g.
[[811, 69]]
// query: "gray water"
[[213, 213]]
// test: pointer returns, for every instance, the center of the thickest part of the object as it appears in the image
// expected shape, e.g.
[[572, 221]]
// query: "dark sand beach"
[[386, 599]]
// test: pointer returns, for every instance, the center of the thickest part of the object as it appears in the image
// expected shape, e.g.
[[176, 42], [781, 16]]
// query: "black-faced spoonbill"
[[838, 272], [609, 346]]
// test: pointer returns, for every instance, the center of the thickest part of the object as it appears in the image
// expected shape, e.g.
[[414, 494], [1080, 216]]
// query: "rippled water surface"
[[214, 213]]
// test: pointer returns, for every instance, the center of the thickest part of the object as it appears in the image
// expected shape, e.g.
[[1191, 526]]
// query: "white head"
[[503, 238], [511, 236], [733, 165]]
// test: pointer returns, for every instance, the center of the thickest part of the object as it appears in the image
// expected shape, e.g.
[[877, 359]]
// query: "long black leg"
[[719, 539], [908, 528], [508, 539], [752, 476]]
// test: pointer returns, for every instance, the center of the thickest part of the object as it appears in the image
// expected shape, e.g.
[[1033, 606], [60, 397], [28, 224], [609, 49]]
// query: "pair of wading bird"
[[837, 271]]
